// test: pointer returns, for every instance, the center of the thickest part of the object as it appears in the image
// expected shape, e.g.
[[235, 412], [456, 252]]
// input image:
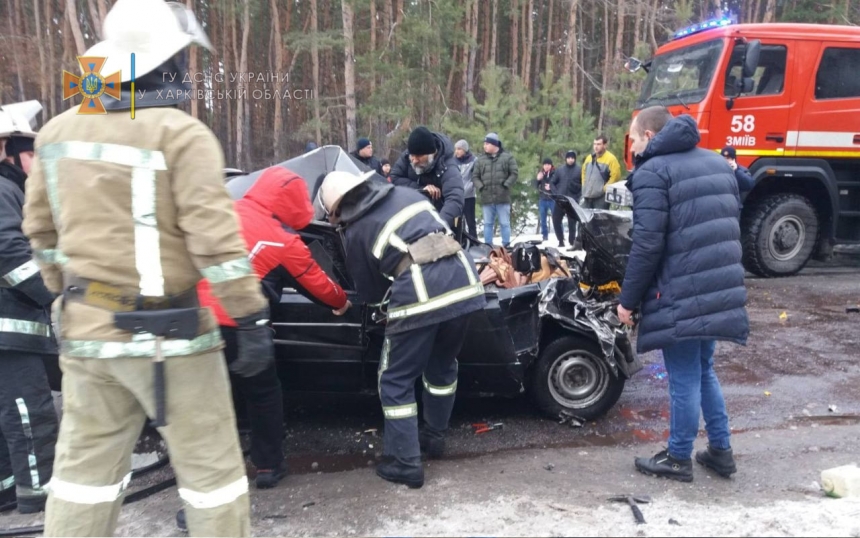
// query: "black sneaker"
[[180, 520], [400, 473], [269, 478], [32, 504], [720, 461], [665, 466], [433, 447]]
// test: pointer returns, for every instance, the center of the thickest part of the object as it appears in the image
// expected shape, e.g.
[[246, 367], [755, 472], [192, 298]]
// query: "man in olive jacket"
[[494, 176]]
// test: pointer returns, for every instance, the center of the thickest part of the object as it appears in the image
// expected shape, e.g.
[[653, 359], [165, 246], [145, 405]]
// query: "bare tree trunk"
[[242, 158], [756, 10], [652, 34], [515, 36], [464, 54], [637, 26], [349, 71], [43, 68], [49, 68], [72, 14], [619, 31], [192, 68], [494, 29], [485, 33], [769, 11], [278, 120], [473, 53], [315, 60], [549, 44], [570, 47], [529, 48], [373, 30], [94, 15], [606, 63], [14, 47]]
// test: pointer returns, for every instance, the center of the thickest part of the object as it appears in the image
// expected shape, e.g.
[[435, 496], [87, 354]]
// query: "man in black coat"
[[567, 183], [685, 276], [28, 421], [364, 153], [428, 165], [403, 257]]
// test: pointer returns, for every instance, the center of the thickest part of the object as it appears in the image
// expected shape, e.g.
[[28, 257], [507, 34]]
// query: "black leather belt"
[[116, 299]]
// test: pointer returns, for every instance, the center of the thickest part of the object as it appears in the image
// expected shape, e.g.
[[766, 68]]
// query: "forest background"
[[546, 75]]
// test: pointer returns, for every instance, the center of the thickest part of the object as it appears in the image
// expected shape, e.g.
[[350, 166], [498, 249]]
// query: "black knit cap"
[[570, 155], [547, 160], [421, 142]]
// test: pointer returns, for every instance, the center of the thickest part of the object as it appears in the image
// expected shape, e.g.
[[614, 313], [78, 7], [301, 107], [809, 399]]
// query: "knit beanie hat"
[[421, 142]]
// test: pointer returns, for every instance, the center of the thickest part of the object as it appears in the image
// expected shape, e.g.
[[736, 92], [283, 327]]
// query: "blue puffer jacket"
[[685, 267]]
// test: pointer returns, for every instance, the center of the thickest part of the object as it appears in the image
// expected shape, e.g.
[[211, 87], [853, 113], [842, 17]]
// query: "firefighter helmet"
[[335, 186], [154, 30]]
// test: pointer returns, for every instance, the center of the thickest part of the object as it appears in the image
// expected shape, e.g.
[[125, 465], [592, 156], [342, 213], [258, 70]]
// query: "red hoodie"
[[278, 196]]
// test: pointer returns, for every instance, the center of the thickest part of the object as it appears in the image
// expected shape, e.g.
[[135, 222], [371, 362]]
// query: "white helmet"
[[154, 30], [335, 186], [18, 119]]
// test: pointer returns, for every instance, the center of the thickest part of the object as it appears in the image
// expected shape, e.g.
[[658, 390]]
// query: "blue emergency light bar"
[[705, 25]]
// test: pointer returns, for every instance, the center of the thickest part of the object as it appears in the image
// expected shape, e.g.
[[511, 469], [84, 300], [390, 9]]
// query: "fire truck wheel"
[[572, 378], [779, 235]]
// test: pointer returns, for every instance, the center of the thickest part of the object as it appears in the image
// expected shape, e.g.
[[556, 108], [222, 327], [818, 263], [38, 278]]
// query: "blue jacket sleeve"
[[745, 180], [650, 222]]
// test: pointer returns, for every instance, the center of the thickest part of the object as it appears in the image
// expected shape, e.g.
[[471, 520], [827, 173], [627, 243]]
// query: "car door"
[[756, 123], [318, 351]]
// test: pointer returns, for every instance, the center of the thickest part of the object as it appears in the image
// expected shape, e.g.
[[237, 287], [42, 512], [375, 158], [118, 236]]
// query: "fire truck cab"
[[787, 98]]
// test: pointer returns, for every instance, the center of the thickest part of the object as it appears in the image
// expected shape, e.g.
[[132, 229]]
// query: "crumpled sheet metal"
[[564, 301]]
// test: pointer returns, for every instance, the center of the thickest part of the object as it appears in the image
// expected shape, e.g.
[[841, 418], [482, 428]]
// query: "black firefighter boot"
[[664, 465], [720, 461], [408, 471], [432, 443]]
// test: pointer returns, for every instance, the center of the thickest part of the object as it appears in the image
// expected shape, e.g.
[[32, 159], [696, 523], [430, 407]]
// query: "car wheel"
[[573, 378], [779, 235]]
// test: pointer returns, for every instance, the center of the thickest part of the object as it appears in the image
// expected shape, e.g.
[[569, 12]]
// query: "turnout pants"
[[105, 405], [429, 352], [264, 401], [28, 425]]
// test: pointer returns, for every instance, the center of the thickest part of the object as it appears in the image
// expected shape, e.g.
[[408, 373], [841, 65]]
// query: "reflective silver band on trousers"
[[20, 326], [144, 164], [81, 494], [31, 446], [21, 273], [143, 346]]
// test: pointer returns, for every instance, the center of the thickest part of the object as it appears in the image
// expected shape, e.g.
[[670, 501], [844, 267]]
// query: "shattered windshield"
[[681, 77]]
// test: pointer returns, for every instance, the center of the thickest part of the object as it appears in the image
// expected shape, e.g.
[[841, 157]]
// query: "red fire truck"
[[787, 98]]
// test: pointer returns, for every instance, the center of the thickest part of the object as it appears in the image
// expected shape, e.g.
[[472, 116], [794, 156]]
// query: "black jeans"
[[264, 401], [469, 216], [558, 225]]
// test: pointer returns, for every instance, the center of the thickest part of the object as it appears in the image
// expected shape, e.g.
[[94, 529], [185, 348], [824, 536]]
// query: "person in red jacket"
[[279, 198]]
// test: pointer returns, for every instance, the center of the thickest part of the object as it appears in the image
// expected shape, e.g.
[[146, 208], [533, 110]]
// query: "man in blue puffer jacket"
[[685, 274]]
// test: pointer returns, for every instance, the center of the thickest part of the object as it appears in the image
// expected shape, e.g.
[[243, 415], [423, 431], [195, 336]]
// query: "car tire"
[[779, 235], [572, 378]]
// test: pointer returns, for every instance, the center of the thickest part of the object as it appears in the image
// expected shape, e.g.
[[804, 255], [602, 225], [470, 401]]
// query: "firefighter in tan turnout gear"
[[125, 216]]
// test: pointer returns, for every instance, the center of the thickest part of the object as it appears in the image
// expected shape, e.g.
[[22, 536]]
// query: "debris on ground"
[[783, 316], [852, 309], [483, 427], [841, 482], [549, 467], [572, 420], [673, 522], [831, 408]]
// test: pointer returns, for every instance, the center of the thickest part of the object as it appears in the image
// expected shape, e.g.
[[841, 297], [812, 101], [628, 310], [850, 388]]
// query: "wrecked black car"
[[557, 339]]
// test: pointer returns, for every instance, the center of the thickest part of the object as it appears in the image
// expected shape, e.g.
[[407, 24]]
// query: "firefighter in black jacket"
[[403, 257], [28, 421]]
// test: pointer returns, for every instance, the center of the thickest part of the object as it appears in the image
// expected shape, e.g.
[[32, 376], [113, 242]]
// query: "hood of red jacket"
[[285, 195]]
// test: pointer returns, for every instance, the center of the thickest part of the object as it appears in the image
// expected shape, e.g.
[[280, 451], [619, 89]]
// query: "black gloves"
[[256, 345]]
